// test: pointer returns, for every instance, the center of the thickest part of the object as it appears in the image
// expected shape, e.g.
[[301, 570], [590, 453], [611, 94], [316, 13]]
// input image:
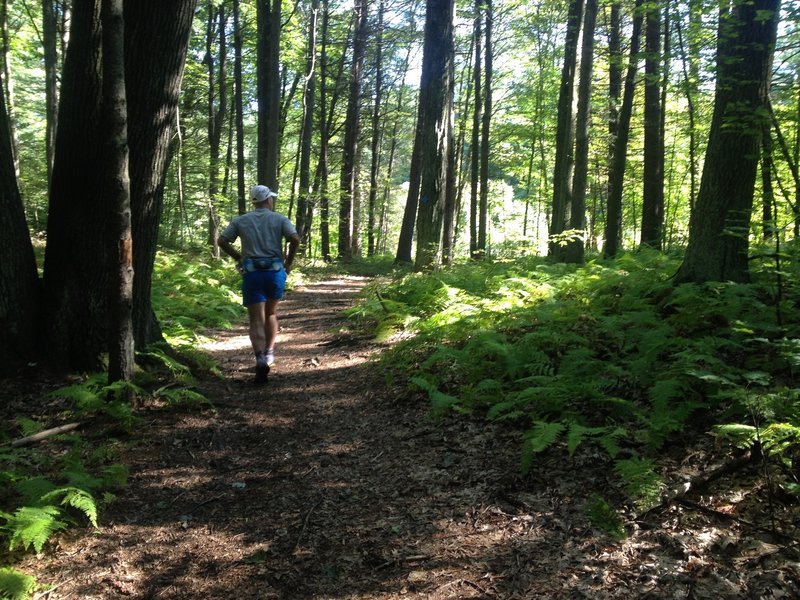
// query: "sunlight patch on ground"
[[232, 343]]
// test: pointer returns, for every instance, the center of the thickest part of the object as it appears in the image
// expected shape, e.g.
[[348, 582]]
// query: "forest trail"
[[325, 485]]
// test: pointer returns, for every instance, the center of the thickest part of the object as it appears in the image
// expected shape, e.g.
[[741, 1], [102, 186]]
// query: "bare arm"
[[294, 242], [228, 249]]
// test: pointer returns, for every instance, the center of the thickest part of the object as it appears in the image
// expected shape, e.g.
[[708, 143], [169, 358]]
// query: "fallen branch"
[[37, 437], [703, 479]]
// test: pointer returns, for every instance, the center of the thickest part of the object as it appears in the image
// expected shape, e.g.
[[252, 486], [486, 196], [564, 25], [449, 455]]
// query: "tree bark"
[[304, 201], [269, 91], [653, 200], [574, 250], [376, 133], [562, 172], [720, 224], [117, 195], [50, 42], [19, 283], [156, 42], [434, 128], [352, 128], [241, 187], [486, 120], [76, 257], [616, 177], [476, 251]]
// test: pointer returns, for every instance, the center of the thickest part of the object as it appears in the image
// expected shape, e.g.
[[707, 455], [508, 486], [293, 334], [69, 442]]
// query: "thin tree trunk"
[[486, 120], [117, 195], [304, 203], [376, 132], [616, 178], [477, 106], [574, 251], [562, 172], [352, 128], [50, 41], [241, 188]]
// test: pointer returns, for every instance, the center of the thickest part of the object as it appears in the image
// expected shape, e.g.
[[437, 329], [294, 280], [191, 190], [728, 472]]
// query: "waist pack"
[[262, 264]]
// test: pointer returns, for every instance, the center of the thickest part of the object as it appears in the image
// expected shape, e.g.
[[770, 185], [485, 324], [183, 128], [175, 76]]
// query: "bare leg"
[[270, 323], [258, 327]]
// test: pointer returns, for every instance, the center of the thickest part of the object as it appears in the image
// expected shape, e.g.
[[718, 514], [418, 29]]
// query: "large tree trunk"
[[562, 172], [720, 224], [156, 42], [434, 128], [117, 195], [76, 258], [616, 176], [574, 250], [19, 285], [653, 200], [352, 128]]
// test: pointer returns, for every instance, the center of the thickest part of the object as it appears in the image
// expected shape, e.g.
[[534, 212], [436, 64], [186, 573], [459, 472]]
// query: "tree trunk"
[[217, 109], [486, 120], [653, 200], [376, 133], [19, 284], [574, 250], [303, 221], [562, 172], [156, 42], [616, 177], [352, 128], [434, 128], [269, 91], [76, 257], [50, 42], [474, 245], [117, 195], [241, 187], [720, 224], [8, 89]]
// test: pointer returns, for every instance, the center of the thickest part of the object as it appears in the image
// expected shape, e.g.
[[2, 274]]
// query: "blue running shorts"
[[260, 286]]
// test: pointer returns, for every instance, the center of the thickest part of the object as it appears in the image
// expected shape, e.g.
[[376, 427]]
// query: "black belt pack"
[[262, 264]]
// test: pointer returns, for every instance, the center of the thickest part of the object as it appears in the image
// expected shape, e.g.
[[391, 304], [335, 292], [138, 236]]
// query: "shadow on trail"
[[325, 485]]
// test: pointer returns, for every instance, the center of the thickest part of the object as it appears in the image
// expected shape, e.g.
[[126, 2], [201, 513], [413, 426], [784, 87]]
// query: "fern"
[[75, 498], [640, 480], [32, 526], [538, 439], [15, 585], [603, 516]]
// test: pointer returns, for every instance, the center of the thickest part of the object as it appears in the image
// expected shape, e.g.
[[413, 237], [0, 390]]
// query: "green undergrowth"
[[611, 354]]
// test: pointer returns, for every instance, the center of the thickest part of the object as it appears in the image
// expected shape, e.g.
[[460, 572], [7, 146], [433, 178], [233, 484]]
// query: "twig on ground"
[[36, 437], [305, 525]]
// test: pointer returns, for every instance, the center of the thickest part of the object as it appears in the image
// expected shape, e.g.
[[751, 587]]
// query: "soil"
[[330, 483]]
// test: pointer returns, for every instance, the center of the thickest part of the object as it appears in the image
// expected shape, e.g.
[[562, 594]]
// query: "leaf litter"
[[329, 483]]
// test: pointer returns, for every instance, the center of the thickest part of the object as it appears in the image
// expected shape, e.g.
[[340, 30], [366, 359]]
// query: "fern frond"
[[640, 479], [76, 498], [32, 526], [538, 439], [15, 585]]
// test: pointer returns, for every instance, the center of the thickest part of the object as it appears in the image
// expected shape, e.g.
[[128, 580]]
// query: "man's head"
[[262, 195]]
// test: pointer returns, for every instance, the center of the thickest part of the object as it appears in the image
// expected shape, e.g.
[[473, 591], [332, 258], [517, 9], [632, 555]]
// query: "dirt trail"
[[325, 485]]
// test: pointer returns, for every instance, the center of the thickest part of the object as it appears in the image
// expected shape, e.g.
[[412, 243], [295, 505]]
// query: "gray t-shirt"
[[262, 232]]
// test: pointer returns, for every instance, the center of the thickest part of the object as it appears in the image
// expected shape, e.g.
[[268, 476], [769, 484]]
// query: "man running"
[[263, 267]]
